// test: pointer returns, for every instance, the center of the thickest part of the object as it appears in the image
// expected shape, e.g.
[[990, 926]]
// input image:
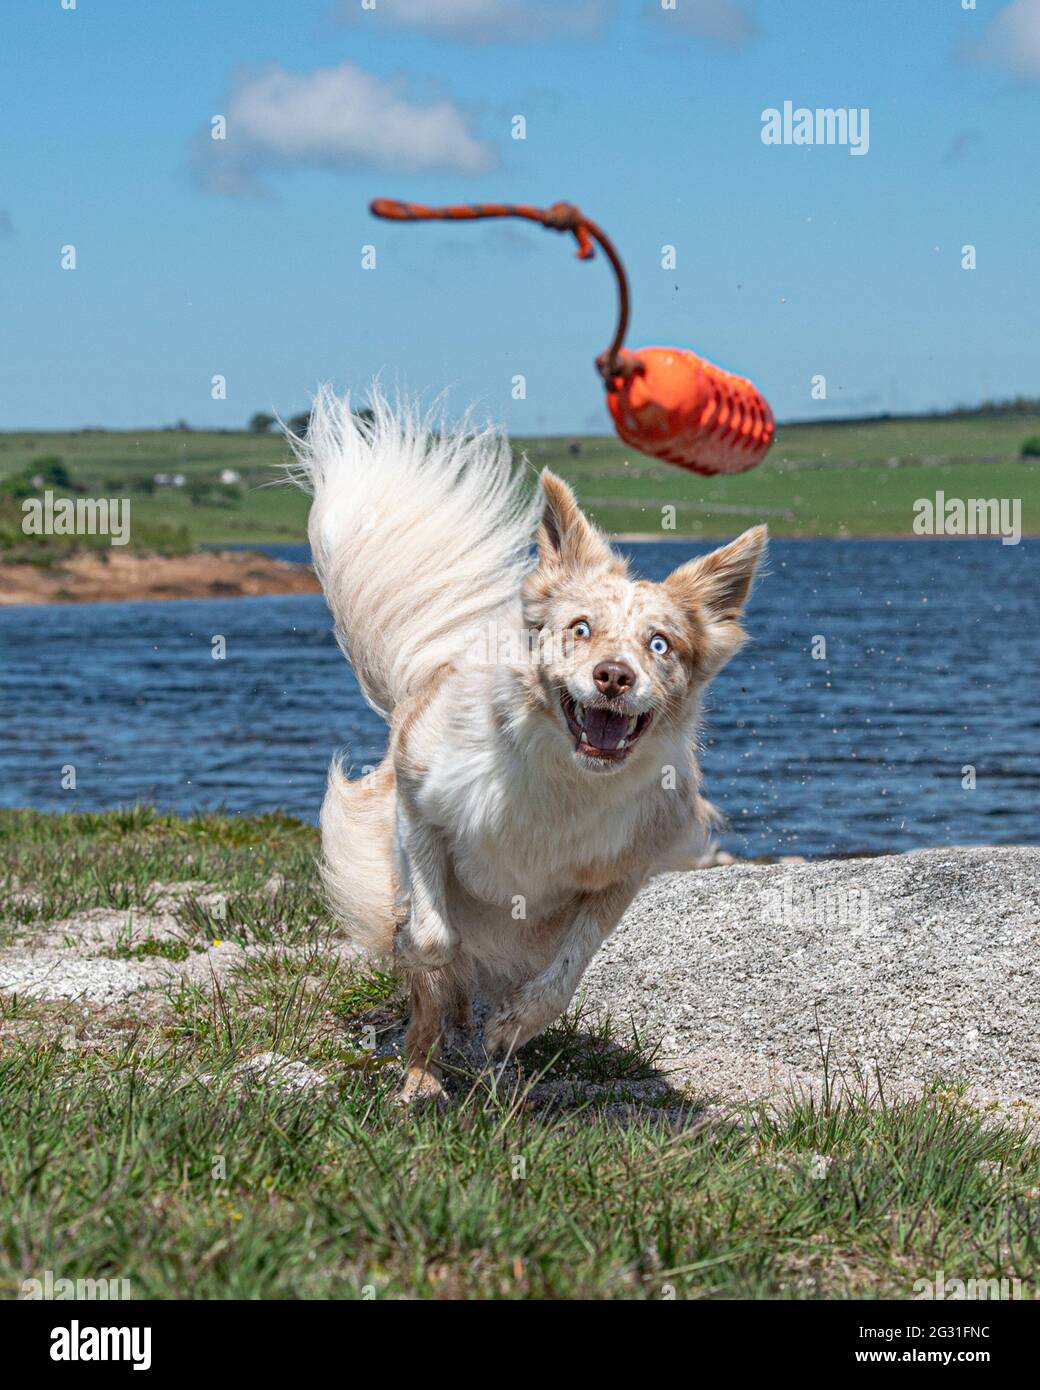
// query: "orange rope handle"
[[561, 217]]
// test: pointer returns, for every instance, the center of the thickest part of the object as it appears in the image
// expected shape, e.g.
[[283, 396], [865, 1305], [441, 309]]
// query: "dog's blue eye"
[[582, 629], [659, 645]]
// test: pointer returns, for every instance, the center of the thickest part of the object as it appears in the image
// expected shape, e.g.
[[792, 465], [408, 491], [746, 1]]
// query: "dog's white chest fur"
[[520, 832]]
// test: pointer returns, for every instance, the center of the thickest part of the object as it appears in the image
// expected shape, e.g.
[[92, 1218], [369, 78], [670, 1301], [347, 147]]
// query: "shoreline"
[[113, 576]]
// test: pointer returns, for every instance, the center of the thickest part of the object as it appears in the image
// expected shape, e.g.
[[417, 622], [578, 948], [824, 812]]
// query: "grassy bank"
[[132, 1149], [858, 478]]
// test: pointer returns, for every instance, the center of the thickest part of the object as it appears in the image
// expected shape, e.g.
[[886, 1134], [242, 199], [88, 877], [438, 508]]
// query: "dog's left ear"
[[714, 588]]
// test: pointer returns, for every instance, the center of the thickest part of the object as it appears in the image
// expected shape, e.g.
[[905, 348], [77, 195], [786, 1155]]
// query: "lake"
[[932, 653]]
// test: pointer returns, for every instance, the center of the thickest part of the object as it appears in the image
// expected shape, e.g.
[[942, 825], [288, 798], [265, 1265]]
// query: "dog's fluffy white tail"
[[419, 536]]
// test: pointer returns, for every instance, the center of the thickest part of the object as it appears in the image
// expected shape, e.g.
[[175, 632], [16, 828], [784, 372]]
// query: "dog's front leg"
[[532, 1006], [433, 993], [425, 937]]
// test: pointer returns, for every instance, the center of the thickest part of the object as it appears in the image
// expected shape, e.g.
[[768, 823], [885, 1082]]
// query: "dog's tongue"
[[603, 728]]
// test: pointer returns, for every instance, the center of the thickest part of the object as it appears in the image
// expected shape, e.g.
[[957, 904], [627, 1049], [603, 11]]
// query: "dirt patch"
[[54, 974], [116, 575]]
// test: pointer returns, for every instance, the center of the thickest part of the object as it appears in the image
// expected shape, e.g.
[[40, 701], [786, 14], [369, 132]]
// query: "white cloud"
[[726, 21], [1012, 38], [484, 21], [334, 118]]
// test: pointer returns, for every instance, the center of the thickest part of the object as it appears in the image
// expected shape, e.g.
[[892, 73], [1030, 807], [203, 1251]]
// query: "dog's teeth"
[[579, 713], [621, 745], [632, 723]]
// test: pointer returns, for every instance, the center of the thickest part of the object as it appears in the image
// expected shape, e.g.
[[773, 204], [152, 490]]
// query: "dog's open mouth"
[[600, 732]]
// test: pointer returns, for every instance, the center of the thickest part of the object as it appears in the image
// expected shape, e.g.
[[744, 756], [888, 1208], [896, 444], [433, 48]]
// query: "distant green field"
[[827, 479]]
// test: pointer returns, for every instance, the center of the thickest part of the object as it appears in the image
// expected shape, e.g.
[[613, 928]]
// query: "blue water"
[[932, 654]]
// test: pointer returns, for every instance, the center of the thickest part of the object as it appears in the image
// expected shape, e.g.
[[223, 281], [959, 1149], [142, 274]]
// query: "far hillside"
[[829, 478]]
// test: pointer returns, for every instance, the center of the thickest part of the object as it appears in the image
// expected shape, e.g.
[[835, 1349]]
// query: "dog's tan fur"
[[494, 848]]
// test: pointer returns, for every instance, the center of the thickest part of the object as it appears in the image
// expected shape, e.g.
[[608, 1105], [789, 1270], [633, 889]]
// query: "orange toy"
[[666, 402]]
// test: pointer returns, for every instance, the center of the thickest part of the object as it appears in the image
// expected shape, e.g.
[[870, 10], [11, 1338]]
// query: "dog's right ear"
[[566, 539], [568, 545]]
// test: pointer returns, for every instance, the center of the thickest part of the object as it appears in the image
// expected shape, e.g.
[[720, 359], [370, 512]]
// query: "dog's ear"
[[568, 545], [566, 539], [714, 588]]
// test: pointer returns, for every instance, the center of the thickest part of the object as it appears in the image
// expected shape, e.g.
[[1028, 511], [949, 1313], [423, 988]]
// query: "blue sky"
[[245, 261]]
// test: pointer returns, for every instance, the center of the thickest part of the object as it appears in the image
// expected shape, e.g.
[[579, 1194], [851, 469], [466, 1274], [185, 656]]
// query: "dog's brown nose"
[[613, 678]]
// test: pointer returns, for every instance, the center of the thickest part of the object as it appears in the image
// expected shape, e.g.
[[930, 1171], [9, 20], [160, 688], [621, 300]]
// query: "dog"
[[542, 712]]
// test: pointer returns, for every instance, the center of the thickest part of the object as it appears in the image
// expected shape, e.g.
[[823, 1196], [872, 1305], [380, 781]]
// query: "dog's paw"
[[520, 1016], [421, 1087]]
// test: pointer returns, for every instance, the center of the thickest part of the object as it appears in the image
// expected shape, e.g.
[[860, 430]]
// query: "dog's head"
[[623, 660]]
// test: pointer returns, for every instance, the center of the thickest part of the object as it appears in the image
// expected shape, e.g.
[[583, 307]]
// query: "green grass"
[[116, 463], [826, 479], [51, 865], [114, 1171], [128, 1148], [154, 536]]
